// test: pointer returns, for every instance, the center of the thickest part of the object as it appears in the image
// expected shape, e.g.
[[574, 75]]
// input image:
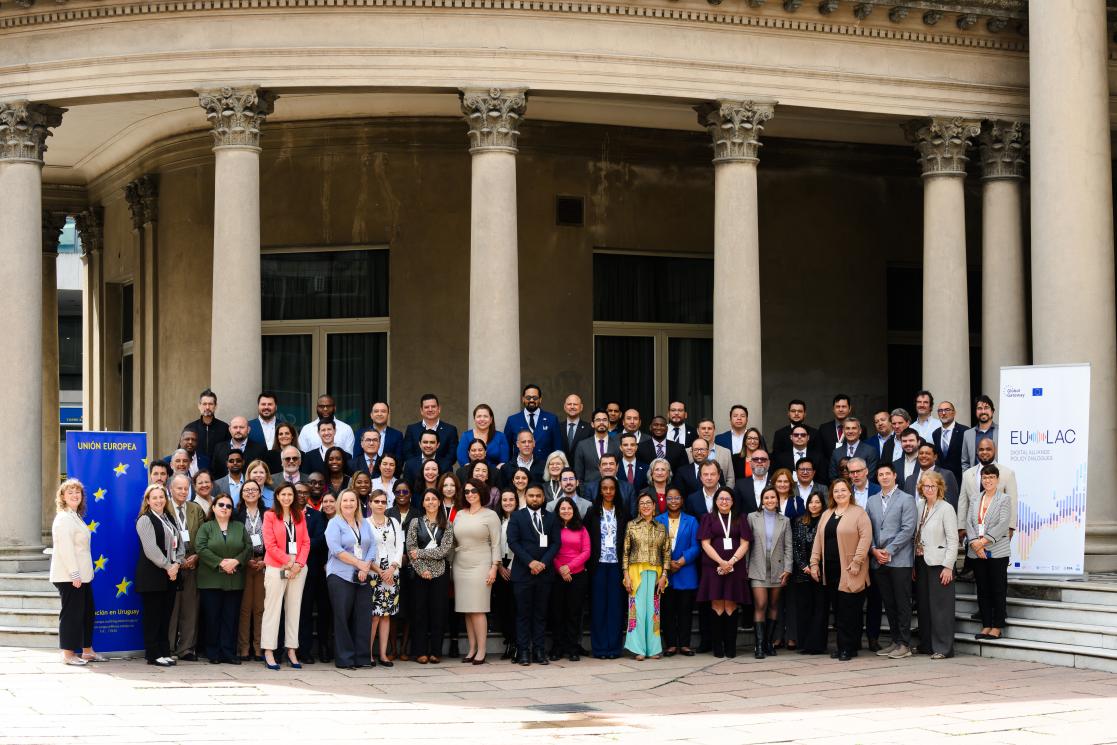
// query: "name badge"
[[981, 530], [543, 541], [185, 535], [256, 542], [357, 552], [292, 547], [727, 544]]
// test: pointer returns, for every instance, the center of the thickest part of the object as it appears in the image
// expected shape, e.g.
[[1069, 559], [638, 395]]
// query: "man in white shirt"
[[925, 424], [900, 420], [908, 464], [262, 428], [719, 455], [805, 483], [309, 438]]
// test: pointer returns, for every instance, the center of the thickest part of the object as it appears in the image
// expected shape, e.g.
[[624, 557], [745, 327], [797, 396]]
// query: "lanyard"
[[290, 527], [253, 524], [534, 515], [725, 525], [983, 509], [427, 526], [357, 539]]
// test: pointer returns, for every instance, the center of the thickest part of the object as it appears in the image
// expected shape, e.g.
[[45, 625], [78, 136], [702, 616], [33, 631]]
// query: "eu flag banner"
[[113, 468]]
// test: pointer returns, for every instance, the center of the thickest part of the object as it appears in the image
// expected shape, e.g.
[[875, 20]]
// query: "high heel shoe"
[[269, 665], [294, 664]]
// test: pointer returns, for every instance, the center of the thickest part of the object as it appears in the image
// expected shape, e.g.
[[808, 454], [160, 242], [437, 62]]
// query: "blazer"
[[213, 548], [252, 451], [359, 464], [313, 461], [510, 467], [587, 458], [626, 497], [673, 452], [547, 437], [203, 459], [724, 459], [277, 479], [855, 535], [828, 437], [685, 548], [582, 430], [686, 477], [256, 430], [768, 563], [894, 530], [725, 440], [592, 523], [447, 444], [496, 452], [70, 560], [639, 474], [911, 484], [951, 460], [581, 503], [523, 541], [781, 439], [688, 435], [969, 445], [938, 535], [786, 459], [340, 538], [864, 450], [391, 439], [275, 541], [316, 529], [696, 504], [997, 525], [195, 516], [970, 489], [747, 498]]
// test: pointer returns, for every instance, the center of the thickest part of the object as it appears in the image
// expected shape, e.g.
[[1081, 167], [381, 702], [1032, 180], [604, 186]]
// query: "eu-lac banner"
[[113, 468], [1043, 435]]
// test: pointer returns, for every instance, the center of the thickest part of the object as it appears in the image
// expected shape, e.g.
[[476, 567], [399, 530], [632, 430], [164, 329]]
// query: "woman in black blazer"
[[161, 554], [606, 521]]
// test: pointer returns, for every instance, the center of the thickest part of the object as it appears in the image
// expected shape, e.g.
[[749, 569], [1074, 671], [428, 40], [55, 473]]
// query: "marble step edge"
[[1053, 625], [1061, 604], [1075, 649]]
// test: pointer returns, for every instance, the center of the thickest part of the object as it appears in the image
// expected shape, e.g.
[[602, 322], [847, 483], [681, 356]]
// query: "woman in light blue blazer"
[[989, 546], [682, 575], [484, 428], [351, 545]]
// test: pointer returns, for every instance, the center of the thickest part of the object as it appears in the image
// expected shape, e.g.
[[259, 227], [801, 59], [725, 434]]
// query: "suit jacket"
[[548, 439], [592, 524], [252, 451], [723, 459], [213, 548], [886, 449], [510, 467], [582, 431], [969, 445], [673, 452], [627, 493], [768, 563], [277, 479], [970, 490], [912, 482], [686, 547], [686, 478], [256, 430], [828, 438], [391, 438], [447, 444], [894, 530], [313, 461], [997, 519], [587, 458], [781, 439], [523, 541], [748, 500], [864, 450], [951, 460], [696, 504], [639, 474], [689, 435], [195, 516], [203, 459], [786, 459], [359, 464], [939, 535]]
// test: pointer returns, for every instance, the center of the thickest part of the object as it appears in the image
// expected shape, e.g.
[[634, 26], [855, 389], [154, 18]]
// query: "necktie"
[[946, 440], [631, 477], [531, 420], [537, 521], [600, 448], [798, 455], [659, 450], [675, 436], [181, 517], [849, 450], [570, 430]]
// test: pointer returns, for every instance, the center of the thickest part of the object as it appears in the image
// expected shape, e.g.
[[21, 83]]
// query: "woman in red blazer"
[[286, 548]]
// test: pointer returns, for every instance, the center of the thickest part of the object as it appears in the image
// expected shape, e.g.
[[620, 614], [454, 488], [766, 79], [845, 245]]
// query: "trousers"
[[936, 609], [895, 594], [157, 608], [352, 615], [281, 595], [607, 610], [221, 609], [183, 631], [75, 620]]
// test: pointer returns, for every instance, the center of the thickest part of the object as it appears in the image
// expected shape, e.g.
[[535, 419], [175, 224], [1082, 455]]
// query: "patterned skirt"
[[385, 598]]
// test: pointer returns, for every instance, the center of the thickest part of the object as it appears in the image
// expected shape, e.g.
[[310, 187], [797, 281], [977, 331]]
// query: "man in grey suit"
[[721, 456], [971, 484], [985, 427], [892, 513], [927, 458], [588, 452], [568, 481], [852, 446]]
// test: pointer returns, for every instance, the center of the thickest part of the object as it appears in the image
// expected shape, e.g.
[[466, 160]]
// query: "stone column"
[[236, 356], [941, 143], [493, 115], [1074, 315], [1004, 339], [735, 127], [24, 128], [90, 225], [142, 196], [52, 225]]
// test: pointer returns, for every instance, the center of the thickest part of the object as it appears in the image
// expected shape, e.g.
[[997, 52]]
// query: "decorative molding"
[[494, 116], [142, 196], [862, 10], [941, 143], [826, 7], [53, 222], [1014, 9], [91, 229], [1002, 145], [735, 127], [236, 114], [931, 17], [24, 129], [967, 21]]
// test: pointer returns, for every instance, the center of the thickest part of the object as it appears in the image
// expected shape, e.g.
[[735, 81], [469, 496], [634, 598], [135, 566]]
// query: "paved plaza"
[[790, 698]]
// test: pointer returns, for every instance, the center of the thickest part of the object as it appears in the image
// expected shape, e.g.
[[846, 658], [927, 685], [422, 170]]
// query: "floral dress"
[[389, 552]]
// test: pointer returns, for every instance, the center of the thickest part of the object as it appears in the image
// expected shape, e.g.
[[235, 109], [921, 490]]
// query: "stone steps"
[[27, 581], [1048, 632], [1048, 610], [21, 636], [30, 599], [1064, 655]]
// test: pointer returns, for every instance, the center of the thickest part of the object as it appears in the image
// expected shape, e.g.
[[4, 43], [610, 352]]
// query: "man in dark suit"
[[688, 477], [188, 441], [533, 537], [314, 461], [948, 440], [589, 452], [391, 439], [802, 447], [609, 466], [368, 459], [927, 457], [658, 445], [629, 469], [428, 450], [747, 490], [829, 433], [700, 502], [238, 440], [262, 429], [796, 414], [852, 446], [543, 425], [431, 411], [573, 429], [524, 457], [733, 439], [881, 439], [907, 463], [677, 429]]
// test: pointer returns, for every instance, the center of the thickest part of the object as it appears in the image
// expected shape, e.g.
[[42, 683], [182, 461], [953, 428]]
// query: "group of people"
[[266, 542]]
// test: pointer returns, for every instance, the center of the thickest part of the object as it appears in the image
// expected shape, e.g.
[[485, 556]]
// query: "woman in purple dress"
[[725, 536]]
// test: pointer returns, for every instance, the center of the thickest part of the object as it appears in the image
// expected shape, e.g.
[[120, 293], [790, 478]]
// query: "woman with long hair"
[[568, 591], [606, 521], [71, 571], [161, 556], [250, 512], [769, 567], [337, 474], [484, 429], [477, 555], [644, 563], [349, 541], [810, 596], [286, 548], [429, 542], [503, 599], [285, 435]]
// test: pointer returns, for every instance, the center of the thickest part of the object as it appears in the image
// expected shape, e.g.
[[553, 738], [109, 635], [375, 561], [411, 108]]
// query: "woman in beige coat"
[[769, 568], [71, 571], [840, 560]]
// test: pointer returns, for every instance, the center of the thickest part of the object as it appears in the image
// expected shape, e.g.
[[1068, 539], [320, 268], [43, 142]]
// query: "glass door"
[[624, 371], [288, 373], [356, 373]]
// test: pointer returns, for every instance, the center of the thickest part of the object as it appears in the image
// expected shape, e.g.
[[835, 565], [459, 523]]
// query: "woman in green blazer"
[[223, 550]]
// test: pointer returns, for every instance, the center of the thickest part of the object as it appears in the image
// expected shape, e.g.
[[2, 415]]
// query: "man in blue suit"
[[543, 425], [892, 513], [262, 429], [608, 466], [431, 411], [733, 438], [391, 439], [533, 537], [631, 470]]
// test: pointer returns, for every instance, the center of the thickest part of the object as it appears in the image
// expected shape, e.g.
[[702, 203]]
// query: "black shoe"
[[975, 616], [509, 652], [189, 657], [574, 657], [214, 661], [307, 659], [874, 645], [555, 655], [453, 653], [758, 644], [835, 654], [704, 648], [233, 661], [513, 655], [387, 663], [769, 632], [844, 657], [539, 658], [246, 658], [523, 659], [686, 652]]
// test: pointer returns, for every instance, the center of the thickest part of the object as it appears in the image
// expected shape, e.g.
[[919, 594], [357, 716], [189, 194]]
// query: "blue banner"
[[113, 468]]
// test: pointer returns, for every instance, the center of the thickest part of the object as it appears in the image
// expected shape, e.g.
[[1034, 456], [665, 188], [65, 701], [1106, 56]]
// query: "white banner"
[[1043, 432]]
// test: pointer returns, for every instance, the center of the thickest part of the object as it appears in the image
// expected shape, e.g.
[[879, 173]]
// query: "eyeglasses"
[[759, 460], [223, 506], [290, 458], [380, 501], [945, 410], [470, 491]]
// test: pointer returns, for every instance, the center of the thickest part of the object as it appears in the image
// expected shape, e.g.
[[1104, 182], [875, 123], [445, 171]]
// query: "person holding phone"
[[351, 545]]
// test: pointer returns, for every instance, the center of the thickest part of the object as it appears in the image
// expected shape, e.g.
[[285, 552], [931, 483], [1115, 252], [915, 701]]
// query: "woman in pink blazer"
[[286, 547]]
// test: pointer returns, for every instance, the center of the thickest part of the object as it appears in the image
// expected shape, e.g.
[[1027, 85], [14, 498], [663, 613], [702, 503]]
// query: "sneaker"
[[938, 656], [889, 651], [900, 652]]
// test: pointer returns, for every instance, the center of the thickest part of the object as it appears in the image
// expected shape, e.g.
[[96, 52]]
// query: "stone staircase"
[[29, 608]]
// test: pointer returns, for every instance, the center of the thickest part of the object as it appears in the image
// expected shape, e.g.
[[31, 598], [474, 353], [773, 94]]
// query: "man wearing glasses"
[[802, 446], [748, 490], [292, 461], [543, 425], [317, 483], [948, 440]]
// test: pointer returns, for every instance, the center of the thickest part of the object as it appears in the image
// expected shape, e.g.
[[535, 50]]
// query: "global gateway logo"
[[1042, 436]]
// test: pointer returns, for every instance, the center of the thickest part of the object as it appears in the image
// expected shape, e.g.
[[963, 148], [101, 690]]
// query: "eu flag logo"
[[1037, 391]]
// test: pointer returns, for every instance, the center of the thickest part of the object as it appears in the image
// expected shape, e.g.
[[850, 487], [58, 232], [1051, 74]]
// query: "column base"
[[24, 559], [1101, 547]]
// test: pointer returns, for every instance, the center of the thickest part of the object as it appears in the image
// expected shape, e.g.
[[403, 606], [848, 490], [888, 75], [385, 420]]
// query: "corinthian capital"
[[494, 116], [941, 143], [236, 114], [24, 129], [142, 196], [1002, 149], [53, 222], [735, 127], [91, 229]]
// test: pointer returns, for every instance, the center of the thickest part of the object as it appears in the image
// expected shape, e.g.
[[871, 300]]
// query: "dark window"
[[356, 372], [624, 371], [127, 308], [690, 375], [652, 289], [126, 393], [69, 353], [324, 284], [569, 211], [287, 373]]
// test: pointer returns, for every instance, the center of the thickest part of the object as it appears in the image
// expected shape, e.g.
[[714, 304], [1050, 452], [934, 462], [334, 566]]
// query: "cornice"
[[982, 24]]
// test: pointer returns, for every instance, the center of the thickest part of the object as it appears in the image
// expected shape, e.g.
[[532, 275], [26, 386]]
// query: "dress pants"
[[787, 623], [352, 616], [281, 595], [532, 595], [677, 608], [316, 613], [567, 602], [504, 609], [936, 609], [157, 608], [873, 607], [431, 598], [221, 609], [251, 613], [75, 620], [991, 576], [895, 594], [813, 621], [183, 631], [848, 608], [608, 608]]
